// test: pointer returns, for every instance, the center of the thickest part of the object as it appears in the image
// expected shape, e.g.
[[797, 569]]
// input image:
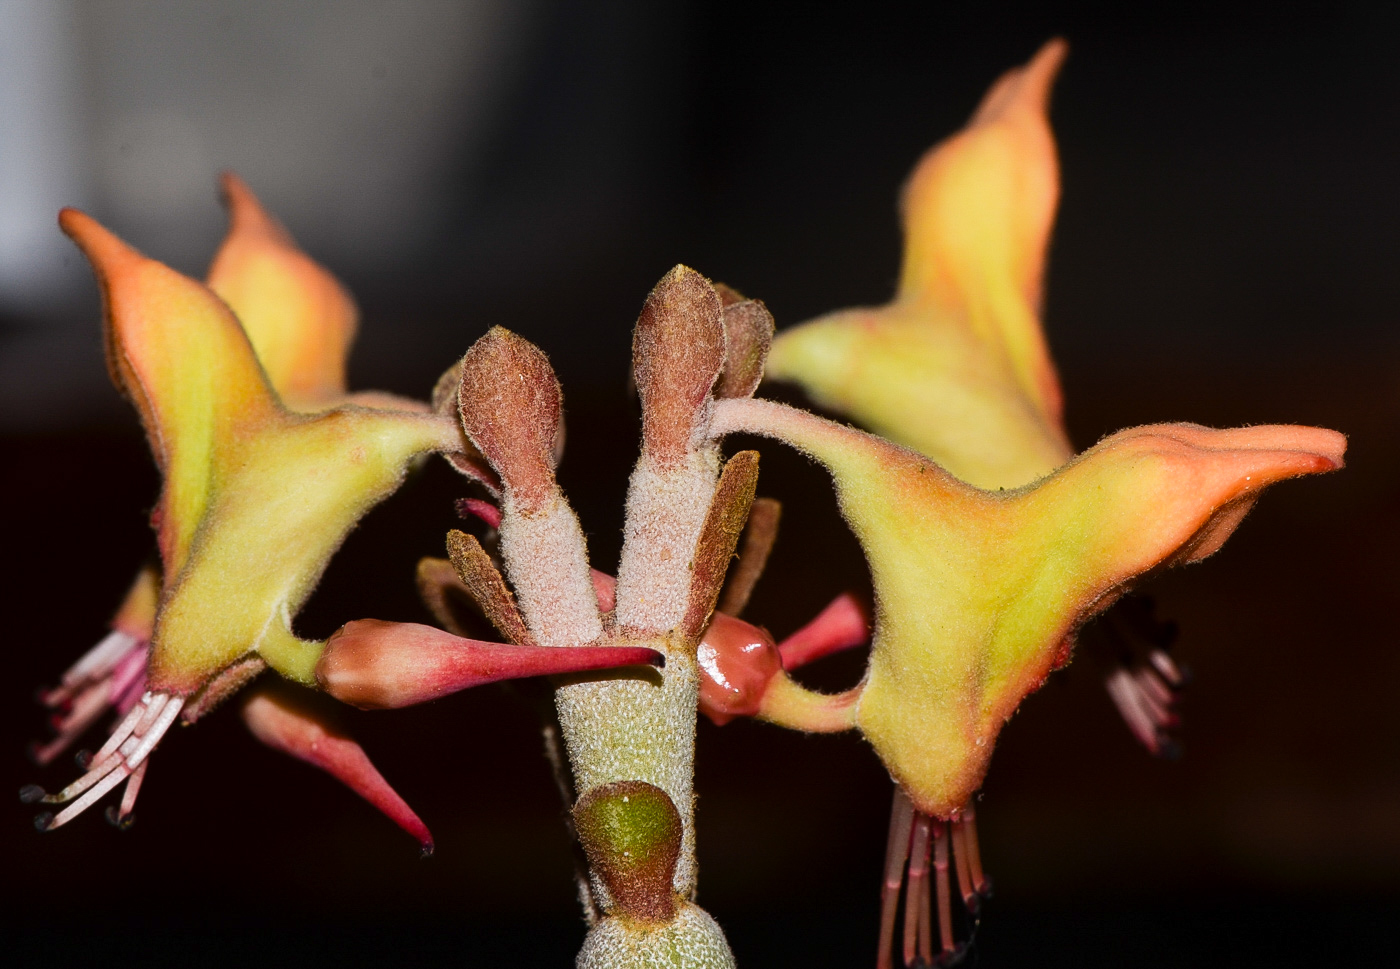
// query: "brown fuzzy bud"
[[677, 353], [511, 408]]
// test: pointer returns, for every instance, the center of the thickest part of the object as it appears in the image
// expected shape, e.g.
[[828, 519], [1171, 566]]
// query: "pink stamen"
[[129, 674], [121, 817], [122, 756], [92, 665], [102, 678], [1149, 690], [966, 887], [945, 901], [1167, 667], [122, 731], [968, 822], [170, 710], [917, 892], [484, 510], [83, 803], [919, 844], [1128, 698], [1153, 685], [896, 856]]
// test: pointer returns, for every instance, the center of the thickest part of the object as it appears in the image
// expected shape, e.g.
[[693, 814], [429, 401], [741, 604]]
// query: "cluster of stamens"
[[917, 843], [110, 676], [122, 758], [1142, 679]]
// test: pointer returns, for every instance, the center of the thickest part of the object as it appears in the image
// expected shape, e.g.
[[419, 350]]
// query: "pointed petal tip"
[[1050, 57], [303, 734], [246, 211], [104, 249]]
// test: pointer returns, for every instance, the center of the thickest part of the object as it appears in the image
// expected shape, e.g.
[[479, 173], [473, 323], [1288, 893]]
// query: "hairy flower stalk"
[[630, 738]]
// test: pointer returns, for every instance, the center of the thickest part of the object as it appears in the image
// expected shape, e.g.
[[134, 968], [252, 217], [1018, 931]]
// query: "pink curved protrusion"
[[306, 737], [843, 624], [475, 507]]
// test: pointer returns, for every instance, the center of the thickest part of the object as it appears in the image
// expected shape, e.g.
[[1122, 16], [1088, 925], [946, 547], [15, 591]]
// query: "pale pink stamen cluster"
[[123, 756], [1146, 694], [923, 856], [110, 676]]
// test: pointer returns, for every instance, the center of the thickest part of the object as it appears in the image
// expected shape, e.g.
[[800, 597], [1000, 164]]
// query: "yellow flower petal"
[[186, 364], [956, 365], [299, 318]]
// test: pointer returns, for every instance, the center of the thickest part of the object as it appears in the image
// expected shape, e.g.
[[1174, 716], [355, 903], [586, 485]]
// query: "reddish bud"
[[378, 665], [737, 661]]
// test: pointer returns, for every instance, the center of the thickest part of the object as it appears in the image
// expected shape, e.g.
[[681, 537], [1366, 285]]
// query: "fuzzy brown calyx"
[[760, 533], [718, 538], [748, 334], [678, 351], [511, 408], [631, 832], [486, 587]]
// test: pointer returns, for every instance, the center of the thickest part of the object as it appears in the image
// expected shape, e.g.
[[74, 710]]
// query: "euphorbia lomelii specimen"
[[978, 590], [255, 499]]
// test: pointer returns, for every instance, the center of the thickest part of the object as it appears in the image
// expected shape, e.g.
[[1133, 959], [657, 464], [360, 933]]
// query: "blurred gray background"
[[1229, 169]]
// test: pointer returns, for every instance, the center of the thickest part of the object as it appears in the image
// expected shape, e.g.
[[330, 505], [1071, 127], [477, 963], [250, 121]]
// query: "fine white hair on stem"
[[547, 561]]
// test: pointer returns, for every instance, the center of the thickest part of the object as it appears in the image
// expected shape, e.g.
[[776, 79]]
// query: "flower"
[[630, 738], [978, 594], [300, 322], [256, 496], [956, 365]]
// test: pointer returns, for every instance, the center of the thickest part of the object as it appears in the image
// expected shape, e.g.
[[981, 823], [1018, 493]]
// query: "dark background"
[[1226, 253]]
